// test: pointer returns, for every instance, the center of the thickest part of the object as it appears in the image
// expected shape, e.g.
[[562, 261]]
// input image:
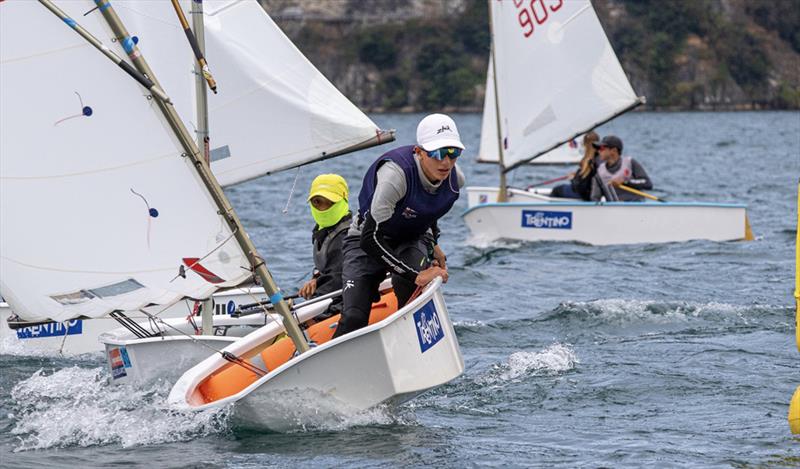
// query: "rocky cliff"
[[408, 55]]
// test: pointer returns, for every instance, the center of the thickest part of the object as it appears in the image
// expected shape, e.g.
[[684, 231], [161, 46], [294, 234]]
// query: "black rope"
[[131, 325], [243, 363], [225, 354]]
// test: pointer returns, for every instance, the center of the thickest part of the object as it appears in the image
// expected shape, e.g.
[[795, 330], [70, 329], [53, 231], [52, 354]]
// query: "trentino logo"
[[429, 327], [546, 220], [51, 329]]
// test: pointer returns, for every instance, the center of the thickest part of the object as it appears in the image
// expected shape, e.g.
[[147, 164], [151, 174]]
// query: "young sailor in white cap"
[[403, 195]]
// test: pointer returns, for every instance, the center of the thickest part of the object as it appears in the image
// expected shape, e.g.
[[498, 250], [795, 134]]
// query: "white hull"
[[532, 216], [140, 362], [81, 336], [389, 361]]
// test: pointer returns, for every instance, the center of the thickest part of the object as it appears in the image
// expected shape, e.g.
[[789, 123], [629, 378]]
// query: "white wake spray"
[[77, 407]]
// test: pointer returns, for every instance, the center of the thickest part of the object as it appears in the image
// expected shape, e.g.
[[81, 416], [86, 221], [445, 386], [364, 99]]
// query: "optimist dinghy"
[[531, 215], [135, 354], [555, 77], [125, 240], [81, 335], [399, 355], [264, 81]]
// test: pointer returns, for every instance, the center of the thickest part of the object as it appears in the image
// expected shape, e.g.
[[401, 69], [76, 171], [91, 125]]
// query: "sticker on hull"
[[547, 220], [119, 360], [429, 328]]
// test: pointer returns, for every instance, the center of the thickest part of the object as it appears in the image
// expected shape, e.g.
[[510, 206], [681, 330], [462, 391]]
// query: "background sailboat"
[[557, 77]]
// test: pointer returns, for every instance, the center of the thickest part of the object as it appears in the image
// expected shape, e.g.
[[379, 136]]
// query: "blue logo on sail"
[[547, 220], [51, 329], [429, 328]]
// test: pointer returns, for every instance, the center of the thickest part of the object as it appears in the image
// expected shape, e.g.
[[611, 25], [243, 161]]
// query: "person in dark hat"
[[616, 170]]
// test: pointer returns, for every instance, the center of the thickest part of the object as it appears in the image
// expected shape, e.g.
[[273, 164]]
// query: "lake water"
[[673, 354]]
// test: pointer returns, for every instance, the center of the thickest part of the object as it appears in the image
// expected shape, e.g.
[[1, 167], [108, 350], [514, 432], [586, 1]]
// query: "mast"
[[202, 75], [502, 194], [204, 171], [196, 37], [203, 139]]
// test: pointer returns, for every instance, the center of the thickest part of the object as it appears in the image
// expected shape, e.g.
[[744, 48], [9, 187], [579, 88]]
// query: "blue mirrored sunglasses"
[[440, 153]]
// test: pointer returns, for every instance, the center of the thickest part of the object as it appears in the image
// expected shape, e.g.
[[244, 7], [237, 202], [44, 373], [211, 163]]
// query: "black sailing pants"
[[361, 276]]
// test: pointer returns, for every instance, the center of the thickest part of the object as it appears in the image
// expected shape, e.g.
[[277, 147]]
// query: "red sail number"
[[538, 11]]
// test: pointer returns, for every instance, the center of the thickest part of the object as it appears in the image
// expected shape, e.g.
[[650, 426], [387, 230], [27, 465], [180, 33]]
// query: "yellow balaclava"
[[334, 188]]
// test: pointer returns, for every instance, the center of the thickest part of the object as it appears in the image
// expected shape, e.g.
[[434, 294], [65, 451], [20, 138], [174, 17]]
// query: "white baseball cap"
[[438, 131]]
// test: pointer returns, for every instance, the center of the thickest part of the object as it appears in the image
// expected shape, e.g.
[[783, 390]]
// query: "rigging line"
[[127, 326], [137, 326], [208, 254], [291, 191], [133, 325], [225, 354], [154, 329], [65, 324], [268, 316], [130, 324], [190, 318], [244, 364]]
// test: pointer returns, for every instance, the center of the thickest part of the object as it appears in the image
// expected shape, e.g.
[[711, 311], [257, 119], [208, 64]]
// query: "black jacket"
[[328, 255]]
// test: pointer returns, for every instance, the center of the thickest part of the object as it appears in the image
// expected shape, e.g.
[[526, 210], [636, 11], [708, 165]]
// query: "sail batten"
[[558, 77]]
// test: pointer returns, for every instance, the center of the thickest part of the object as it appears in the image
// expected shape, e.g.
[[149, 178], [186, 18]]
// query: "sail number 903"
[[536, 11]]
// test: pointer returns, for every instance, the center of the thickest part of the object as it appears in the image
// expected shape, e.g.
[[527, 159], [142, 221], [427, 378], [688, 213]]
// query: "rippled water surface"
[[672, 354]]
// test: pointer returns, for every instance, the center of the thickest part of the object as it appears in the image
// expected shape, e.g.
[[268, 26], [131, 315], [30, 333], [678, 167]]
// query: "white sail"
[[488, 148], [567, 153], [557, 77], [98, 209], [274, 109]]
